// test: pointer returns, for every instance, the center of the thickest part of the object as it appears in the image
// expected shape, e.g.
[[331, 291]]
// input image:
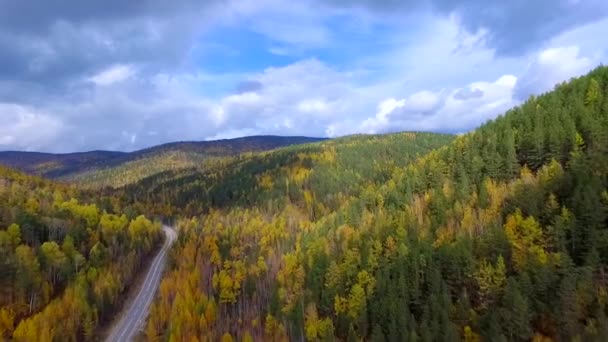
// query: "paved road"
[[135, 314]]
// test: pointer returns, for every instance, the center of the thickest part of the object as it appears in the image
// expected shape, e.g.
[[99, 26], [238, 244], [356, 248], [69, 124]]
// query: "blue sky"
[[126, 75]]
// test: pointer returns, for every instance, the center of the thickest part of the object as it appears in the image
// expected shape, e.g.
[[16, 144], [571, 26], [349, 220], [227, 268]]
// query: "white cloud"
[[307, 97], [300, 98], [444, 110], [585, 37], [7, 140], [113, 74], [437, 52], [371, 73], [26, 128], [421, 102], [381, 120], [313, 106], [551, 66]]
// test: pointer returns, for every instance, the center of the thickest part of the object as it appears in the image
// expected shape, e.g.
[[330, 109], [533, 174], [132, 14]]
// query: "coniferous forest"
[[499, 234]]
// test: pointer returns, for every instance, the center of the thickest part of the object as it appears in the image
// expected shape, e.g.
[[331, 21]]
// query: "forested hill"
[[54, 165], [319, 176], [115, 169], [500, 235], [66, 257]]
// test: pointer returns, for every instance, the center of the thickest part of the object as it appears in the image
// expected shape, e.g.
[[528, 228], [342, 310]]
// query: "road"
[[135, 314]]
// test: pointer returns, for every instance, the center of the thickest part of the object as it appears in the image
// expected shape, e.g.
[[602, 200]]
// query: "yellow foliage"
[[340, 304], [490, 280], [291, 279], [261, 264], [7, 322], [541, 338], [366, 281], [444, 236], [299, 174], [265, 182], [224, 283], [275, 331], [526, 238], [390, 246], [210, 313], [310, 322], [247, 337], [32, 205], [470, 335], [316, 329], [356, 301], [328, 155]]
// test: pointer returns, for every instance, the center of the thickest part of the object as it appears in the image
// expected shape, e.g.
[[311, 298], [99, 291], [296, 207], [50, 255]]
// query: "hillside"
[[320, 174], [55, 165], [500, 235], [115, 169], [67, 256]]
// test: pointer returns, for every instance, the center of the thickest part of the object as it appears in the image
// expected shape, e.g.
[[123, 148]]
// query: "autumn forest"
[[498, 234]]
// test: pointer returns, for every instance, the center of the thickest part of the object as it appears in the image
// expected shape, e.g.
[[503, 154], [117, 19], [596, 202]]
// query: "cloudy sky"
[[121, 75]]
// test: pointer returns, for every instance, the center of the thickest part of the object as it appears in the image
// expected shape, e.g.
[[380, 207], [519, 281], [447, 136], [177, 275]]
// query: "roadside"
[[154, 264]]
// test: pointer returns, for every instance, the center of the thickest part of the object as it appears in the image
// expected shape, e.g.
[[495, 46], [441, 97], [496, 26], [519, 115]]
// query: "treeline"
[[64, 263], [500, 235]]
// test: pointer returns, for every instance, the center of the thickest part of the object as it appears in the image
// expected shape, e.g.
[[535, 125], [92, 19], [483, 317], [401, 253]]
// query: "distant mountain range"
[[109, 168]]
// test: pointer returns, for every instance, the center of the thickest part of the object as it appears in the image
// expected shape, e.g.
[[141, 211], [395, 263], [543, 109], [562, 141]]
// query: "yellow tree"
[[291, 281], [7, 322], [526, 238], [54, 258], [223, 282], [227, 337], [490, 280], [28, 274]]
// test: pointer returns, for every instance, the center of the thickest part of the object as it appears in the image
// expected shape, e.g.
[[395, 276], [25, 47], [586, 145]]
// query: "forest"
[[499, 234], [99, 169], [67, 257], [320, 176]]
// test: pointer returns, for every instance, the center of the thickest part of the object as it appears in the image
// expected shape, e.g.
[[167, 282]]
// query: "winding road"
[[135, 314]]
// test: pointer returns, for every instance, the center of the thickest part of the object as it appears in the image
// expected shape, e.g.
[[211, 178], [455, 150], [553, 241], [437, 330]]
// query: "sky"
[[123, 75]]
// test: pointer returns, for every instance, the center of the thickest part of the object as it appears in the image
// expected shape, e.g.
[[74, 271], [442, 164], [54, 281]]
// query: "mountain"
[[499, 235], [115, 169]]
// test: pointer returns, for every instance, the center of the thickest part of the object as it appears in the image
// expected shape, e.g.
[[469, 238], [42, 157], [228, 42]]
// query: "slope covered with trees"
[[66, 257], [318, 176], [97, 169], [500, 235]]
